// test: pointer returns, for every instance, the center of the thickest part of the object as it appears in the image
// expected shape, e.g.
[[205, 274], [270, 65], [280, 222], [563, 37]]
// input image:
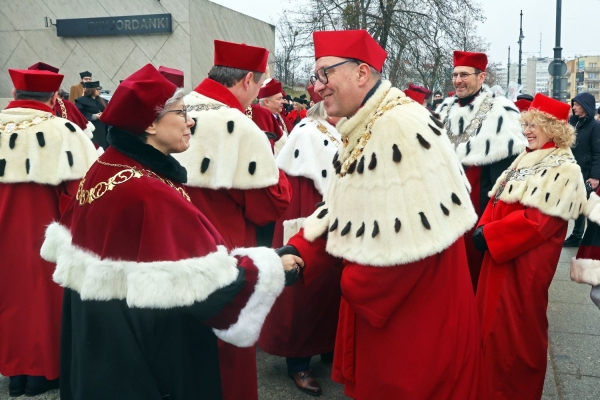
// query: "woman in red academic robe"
[[149, 284], [522, 230], [303, 321]]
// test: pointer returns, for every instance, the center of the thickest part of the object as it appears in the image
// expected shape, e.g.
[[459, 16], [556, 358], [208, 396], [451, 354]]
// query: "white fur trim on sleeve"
[[585, 271], [160, 284], [245, 331], [592, 208]]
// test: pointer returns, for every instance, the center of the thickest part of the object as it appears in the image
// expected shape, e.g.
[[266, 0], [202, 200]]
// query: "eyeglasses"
[[182, 112], [525, 127], [321, 74], [463, 75]]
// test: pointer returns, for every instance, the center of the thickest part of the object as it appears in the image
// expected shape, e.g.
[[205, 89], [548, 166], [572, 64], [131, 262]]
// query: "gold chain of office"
[[89, 196]]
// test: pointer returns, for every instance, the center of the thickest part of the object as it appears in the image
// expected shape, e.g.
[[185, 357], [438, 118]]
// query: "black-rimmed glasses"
[[321, 74], [182, 112]]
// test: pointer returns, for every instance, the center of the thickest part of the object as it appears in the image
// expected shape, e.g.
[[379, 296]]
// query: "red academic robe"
[[299, 324], [294, 117], [393, 338], [236, 214], [71, 113], [524, 248], [267, 123]]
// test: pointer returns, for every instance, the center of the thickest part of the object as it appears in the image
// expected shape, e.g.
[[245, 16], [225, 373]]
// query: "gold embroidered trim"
[[13, 126], [249, 112], [205, 107], [366, 136], [324, 130], [89, 196], [63, 109]]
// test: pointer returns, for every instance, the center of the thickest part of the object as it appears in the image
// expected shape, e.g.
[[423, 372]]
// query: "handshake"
[[290, 258]]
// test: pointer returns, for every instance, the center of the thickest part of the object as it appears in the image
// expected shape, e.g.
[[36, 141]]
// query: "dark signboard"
[[127, 25]]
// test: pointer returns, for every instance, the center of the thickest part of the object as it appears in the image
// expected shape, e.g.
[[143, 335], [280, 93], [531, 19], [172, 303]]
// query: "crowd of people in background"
[[406, 237]]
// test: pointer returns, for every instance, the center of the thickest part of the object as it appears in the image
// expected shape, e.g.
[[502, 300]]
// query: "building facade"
[[538, 77], [25, 39], [588, 68]]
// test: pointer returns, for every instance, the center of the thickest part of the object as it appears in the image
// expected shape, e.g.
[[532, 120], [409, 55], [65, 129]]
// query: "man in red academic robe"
[[270, 97], [394, 216], [486, 132], [232, 175], [42, 159]]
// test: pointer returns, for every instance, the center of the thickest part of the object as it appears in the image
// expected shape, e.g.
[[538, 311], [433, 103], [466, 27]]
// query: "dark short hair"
[[36, 96], [477, 70], [228, 76]]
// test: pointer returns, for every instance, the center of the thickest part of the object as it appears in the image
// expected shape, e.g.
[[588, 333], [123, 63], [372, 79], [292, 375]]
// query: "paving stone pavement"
[[573, 356]]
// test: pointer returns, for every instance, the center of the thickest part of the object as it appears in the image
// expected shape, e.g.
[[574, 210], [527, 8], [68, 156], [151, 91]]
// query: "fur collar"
[[549, 180], [499, 135], [405, 199], [147, 155]]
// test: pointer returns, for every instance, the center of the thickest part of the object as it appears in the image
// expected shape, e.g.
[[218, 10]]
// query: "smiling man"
[[393, 216], [486, 133]]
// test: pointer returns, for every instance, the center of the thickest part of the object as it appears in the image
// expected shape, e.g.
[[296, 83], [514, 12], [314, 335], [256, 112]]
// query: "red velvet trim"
[[549, 145], [216, 91], [35, 105]]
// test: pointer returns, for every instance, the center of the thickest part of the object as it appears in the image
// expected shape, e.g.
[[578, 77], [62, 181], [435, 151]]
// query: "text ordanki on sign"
[[126, 25]]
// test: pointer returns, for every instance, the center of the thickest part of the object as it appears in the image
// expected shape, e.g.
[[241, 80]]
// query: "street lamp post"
[[508, 71], [521, 37], [557, 54]]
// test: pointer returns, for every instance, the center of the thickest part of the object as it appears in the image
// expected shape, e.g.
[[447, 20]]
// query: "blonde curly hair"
[[560, 132]]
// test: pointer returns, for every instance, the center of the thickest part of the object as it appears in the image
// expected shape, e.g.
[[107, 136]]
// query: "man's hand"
[[594, 183], [291, 262]]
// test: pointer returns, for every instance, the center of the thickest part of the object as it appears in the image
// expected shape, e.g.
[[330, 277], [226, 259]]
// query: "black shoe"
[[327, 358], [572, 241], [16, 386], [38, 384]]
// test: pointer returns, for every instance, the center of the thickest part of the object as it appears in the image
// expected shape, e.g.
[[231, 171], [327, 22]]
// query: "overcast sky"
[[501, 28]]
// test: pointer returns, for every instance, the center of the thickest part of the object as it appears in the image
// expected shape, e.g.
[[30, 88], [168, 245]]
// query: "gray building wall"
[[24, 39]]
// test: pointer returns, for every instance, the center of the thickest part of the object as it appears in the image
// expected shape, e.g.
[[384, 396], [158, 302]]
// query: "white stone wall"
[[24, 39]]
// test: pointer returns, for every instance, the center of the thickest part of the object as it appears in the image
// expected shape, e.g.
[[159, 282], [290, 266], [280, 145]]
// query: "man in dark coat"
[[586, 151]]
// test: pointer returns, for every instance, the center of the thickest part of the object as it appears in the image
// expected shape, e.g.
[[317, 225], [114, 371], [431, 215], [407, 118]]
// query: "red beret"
[[134, 102], [548, 105], [469, 59], [450, 94], [420, 89], [241, 56], [271, 88], [416, 96], [314, 96], [42, 66], [356, 44], [35, 81], [523, 105], [174, 76]]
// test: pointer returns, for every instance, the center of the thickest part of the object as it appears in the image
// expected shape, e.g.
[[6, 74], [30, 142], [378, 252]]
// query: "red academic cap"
[[469, 59], [241, 56], [271, 88], [420, 89], [314, 96], [134, 102], [450, 94], [416, 96], [42, 66], [35, 80], [356, 44], [523, 105], [548, 105], [174, 76]]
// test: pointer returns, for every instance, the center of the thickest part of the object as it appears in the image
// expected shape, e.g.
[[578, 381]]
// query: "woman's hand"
[[291, 262]]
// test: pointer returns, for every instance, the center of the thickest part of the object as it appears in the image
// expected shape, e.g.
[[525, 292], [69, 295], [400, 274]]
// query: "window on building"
[[591, 86], [591, 75], [593, 65]]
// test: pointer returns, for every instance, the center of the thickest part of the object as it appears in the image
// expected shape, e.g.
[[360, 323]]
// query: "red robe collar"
[[549, 145], [35, 105], [216, 91]]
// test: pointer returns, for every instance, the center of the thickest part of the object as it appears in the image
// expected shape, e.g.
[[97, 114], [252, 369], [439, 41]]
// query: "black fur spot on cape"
[[346, 228], [567, 182], [435, 130], [2, 167], [70, 126], [444, 209], [193, 128], [571, 206], [461, 125], [509, 109], [324, 173], [396, 156], [319, 204], [455, 199], [333, 226], [204, 165], [301, 125], [558, 202], [478, 130], [544, 172], [424, 221], [422, 141], [471, 107], [500, 121], [375, 229], [252, 167], [487, 147], [323, 213], [70, 158], [335, 157], [468, 147], [13, 140], [533, 191], [556, 177], [373, 162], [230, 125], [547, 196], [325, 142], [40, 138], [511, 143], [437, 121], [361, 165], [296, 153], [360, 230], [352, 167], [338, 167], [397, 225], [27, 166]]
